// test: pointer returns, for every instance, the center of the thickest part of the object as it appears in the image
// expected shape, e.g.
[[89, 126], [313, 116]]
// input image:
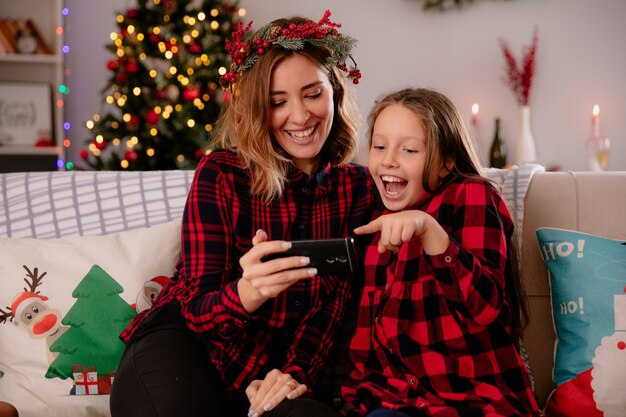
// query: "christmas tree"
[[96, 319], [163, 96]]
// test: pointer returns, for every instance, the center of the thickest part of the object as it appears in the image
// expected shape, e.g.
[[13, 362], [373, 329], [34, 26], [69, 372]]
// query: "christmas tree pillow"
[[63, 304], [588, 284]]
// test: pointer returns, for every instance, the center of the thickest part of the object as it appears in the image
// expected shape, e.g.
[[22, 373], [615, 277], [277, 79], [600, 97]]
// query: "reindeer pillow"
[[63, 303]]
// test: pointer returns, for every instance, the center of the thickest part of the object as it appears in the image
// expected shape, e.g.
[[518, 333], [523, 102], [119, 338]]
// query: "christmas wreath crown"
[[323, 34]]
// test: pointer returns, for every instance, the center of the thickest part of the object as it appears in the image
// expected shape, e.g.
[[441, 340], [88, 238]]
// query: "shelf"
[[30, 150], [47, 16], [31, 58]]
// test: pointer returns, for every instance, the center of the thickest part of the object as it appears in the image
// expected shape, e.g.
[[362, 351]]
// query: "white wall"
[[581, 61]]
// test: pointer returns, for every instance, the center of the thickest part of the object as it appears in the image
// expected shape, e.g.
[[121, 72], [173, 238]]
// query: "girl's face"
[[397, 157], [301, 109]]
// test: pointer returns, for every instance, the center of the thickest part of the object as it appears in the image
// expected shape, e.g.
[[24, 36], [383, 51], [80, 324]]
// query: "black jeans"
[[165, 371]]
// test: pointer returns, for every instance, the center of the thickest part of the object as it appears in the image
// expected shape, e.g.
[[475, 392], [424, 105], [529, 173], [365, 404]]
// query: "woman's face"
[[301, 109]]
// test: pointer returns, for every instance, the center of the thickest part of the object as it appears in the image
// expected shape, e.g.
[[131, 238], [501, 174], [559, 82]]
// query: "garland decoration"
[[443, 5]]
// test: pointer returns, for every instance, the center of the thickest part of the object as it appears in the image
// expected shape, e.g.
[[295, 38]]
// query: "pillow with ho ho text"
[[588, 284]]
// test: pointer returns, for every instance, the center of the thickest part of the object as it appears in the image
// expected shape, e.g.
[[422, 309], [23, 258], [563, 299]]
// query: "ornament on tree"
[[132, 67], [121, 77], [113, 65], [157, 81], [154, 38], [169, 6], [191, 93], [171, 47], [194, 48], [133, 122], [200, 153], [130, 156], [152, 117], [100, 144]]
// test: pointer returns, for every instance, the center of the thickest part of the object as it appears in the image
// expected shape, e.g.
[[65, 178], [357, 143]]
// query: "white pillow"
[[92, 282]]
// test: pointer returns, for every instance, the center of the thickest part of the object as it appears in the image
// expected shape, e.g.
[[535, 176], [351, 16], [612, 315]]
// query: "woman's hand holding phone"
[[261, 280]]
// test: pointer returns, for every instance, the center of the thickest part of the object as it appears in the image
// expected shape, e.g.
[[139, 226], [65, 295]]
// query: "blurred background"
[[580, 63]]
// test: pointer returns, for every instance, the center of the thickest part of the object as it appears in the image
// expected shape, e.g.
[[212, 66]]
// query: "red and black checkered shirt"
[[293, 332], [434, 332]]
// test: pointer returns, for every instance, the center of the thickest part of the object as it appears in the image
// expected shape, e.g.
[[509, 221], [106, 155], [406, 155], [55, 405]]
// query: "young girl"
[[232, 335], [438, 324]]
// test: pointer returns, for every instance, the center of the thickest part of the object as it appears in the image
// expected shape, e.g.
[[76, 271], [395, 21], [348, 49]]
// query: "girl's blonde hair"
[[449, 143], [244, 125]]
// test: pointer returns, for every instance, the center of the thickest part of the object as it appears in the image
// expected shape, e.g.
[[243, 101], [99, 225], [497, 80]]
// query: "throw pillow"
[[588, 279], [63, 305]]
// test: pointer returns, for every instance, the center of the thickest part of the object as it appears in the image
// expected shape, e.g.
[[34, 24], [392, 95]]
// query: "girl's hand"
[[267, 393], [398, 228], [260, 280]]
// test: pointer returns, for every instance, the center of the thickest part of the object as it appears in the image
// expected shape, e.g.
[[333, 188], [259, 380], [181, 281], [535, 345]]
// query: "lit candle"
[[475, 109], [475, 134], [595, 121]]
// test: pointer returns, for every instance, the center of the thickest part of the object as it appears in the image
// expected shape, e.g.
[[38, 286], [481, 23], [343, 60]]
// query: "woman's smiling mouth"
[[301, 135]]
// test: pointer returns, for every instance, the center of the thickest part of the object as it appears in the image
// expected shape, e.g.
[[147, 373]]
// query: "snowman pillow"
[[588, 290]]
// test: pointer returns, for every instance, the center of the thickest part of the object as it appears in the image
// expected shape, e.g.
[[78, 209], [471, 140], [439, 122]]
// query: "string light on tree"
[[62, 162], [163, 87]]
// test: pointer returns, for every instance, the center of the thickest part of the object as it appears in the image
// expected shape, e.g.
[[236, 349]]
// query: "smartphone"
[[329, 256]]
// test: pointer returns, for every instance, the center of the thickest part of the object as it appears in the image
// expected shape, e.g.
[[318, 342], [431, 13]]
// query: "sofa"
[[119, 231]]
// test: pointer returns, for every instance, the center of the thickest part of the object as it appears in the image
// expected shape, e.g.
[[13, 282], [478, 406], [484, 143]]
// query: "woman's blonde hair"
[[448, 142], [244, 125]]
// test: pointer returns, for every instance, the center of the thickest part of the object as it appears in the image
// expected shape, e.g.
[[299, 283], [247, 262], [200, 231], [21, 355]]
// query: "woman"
[[233, 335]]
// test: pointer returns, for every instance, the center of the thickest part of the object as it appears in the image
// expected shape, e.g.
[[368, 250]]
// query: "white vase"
[[524, 150]]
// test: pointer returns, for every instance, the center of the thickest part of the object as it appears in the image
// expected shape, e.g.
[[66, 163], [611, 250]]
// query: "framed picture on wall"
[[26, 114]]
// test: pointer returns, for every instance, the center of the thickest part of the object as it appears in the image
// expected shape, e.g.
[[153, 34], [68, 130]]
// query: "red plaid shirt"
[[293, 332], [433, 332]]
